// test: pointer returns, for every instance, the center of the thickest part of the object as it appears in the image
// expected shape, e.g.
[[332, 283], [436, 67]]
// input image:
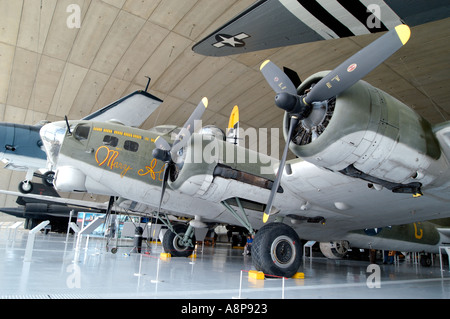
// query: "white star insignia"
[[230, 40]]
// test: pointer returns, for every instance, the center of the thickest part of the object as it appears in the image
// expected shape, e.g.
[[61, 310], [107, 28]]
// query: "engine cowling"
[[207, 159], [369, 131], [334, 249], [69, 179]]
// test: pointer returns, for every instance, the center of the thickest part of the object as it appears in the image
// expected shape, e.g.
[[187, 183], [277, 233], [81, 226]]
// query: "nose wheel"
[[25, 187]]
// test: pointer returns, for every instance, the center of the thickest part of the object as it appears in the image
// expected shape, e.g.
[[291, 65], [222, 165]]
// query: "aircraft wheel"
[[276, 250], [48, 177], [25, 187], [425, 260], [174, 245]]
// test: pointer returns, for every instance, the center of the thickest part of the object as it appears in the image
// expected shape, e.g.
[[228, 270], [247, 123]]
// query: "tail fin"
[[233, 126]]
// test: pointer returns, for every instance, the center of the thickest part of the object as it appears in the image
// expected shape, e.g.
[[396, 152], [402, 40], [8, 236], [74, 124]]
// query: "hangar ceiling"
[[48, 70]]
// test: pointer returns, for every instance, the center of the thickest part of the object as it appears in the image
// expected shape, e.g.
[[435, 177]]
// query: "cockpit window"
[[82, 132]]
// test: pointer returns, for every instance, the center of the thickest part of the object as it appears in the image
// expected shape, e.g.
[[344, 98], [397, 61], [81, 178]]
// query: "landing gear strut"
[[180, 242], [26, 186]]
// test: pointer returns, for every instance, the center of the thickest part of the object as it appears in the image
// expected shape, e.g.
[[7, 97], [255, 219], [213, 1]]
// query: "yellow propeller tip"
[[205, 102], [403, 32], [263, 64], [265, 218]]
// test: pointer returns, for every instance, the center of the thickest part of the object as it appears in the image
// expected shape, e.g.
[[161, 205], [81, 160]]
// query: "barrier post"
[[240, 288], [30, 241], [69, 225], [140, 267], [14, 229], [447, 250], [86, 230], [157, 273]]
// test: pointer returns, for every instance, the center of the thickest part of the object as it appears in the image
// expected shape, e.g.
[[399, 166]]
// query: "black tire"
[[277, 250], [173, 245], [48, 177], [425, 260], [25, 188]]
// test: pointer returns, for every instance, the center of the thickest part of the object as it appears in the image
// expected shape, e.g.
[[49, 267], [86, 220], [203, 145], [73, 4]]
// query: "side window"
[[82, 132], [131, 146], [110, 140]]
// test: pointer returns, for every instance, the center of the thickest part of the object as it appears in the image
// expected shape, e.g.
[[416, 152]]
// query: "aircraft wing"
[[131, 110], [60, 200], [128, 207], [276, 23], [444, 231]]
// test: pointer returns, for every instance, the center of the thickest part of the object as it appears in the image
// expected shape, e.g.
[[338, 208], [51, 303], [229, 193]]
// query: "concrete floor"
[[214, 274]]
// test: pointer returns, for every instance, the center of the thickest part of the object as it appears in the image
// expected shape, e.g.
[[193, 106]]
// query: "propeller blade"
[[162, 150], [293, 123], [162, 144], [188, 127], [359, 65], [277, 79], [163, 186], [166, 152]]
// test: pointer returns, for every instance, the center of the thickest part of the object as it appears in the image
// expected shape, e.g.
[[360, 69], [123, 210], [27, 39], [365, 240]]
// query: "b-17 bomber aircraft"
[[365, 160]]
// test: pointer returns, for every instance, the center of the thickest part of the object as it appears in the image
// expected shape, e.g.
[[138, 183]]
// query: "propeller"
[[341, 78], [171, 154]]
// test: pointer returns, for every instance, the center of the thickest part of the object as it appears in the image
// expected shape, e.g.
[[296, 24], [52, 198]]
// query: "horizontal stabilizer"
[[131, 110]]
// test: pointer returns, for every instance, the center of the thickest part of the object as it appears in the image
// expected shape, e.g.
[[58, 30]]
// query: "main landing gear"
[[179, 241], [277, 250]]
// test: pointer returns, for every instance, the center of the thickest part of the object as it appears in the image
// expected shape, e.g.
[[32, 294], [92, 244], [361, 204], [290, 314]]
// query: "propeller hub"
[[162, 155], [286, 101], [293, 104]]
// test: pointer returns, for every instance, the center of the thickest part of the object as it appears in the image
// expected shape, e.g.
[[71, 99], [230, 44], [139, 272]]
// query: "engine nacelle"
[[207, 158], [334, 249], [69, 179], [369, 132]]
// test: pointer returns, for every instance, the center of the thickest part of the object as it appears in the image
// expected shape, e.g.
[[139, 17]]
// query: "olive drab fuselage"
[[125, 151]]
